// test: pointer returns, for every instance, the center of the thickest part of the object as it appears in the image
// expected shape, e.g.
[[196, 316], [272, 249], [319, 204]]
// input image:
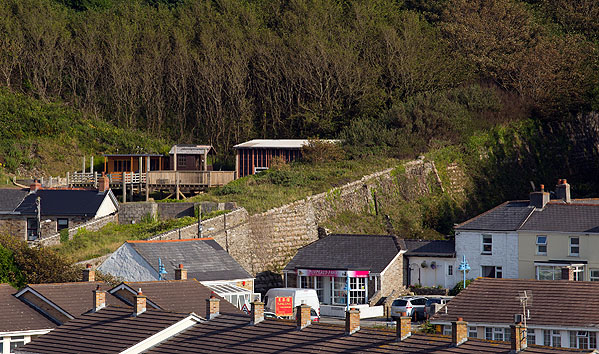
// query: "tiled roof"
[[554, 302], [204, 259], [573, 217], [74, 298], [233, 334], [11, 198], [508, 216], [189, 149], [581, 215], [430, 248], [353, 252], [181, 296], [18, 316], [110, 330], [63, 202]]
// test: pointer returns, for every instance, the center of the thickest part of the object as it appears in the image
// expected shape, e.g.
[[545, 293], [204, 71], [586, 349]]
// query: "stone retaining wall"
[[135, 212]]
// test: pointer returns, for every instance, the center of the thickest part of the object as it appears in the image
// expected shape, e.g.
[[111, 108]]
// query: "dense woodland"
[[403, 76]]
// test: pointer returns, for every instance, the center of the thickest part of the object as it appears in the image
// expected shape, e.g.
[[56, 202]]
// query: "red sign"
[[284, 306]]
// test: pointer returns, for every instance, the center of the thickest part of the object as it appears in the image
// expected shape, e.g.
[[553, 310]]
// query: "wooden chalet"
[[256, 155]]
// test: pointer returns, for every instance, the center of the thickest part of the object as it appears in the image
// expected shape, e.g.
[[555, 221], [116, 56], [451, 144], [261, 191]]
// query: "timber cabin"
[[256, 155], [134, 162], [190, 157]]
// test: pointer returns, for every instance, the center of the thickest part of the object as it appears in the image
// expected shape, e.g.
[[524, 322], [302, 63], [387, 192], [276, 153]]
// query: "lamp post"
[[465, 268]]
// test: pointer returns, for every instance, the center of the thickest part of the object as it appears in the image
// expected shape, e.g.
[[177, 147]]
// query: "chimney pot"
[[180, 273], [212, 307], [403, 327], [89, 274], [257, 312], [33, 187], [352, 321], [140, 303], [459, 332], [303, 316], [99, 299]]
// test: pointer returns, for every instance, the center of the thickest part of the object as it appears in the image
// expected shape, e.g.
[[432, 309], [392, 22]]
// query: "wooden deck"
[[190, 180]]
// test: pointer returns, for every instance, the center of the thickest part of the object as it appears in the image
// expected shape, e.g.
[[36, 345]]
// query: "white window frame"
[[531, 337], [489, 243], [472, 332], [541, 244], [594, 277], [552, 338], [588, 339], [450, 270], [447, 330], [496, 270], [571, 245], [358, 291], [497, 333]]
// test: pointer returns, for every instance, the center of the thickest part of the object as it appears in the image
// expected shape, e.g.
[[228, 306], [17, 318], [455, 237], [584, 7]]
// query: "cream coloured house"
[[534, 239]]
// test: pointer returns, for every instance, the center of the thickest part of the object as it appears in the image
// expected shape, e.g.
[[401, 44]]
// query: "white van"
[[300, 296]]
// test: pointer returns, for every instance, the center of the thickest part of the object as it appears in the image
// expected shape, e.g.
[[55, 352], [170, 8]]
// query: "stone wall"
[[135, 212], [79, 223]]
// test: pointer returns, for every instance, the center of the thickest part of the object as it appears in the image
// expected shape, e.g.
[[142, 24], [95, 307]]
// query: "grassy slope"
[[276, 187], [50, 138]]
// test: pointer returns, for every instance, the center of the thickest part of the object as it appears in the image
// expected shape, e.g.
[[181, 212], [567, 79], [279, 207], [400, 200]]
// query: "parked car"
[[412, 306], [429, 307], [268, 314]]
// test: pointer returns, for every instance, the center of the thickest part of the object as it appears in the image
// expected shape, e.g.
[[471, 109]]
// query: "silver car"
[[412, 306]]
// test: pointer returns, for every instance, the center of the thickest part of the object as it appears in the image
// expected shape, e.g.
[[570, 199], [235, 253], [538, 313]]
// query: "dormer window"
[[487, 244]]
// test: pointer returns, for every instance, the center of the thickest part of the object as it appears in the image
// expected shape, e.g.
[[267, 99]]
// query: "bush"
[[459, 287], [318, 151], [9, 272], [229, 189], [64, 235]]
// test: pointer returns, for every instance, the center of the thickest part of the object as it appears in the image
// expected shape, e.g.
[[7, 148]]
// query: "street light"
[[465, 268]]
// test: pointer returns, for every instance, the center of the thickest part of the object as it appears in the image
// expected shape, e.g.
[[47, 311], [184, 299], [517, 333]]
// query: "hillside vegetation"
[[403, 76]]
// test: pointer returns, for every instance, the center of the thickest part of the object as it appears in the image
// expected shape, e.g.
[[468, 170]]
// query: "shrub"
[[318, 151], [64, 235], [459, 287]]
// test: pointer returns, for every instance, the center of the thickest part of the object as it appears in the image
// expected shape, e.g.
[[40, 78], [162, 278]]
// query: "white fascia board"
[[32, 332], [28, 289], [399, 254], [568, 233], [222, 282], [534, 326], [163, 335]]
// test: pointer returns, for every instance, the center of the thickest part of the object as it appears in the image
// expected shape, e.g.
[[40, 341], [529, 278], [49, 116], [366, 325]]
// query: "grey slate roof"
[[430, 248], [204, 259], [10, 199], [564, 217], [508, 216], [353, 252], [63, 202], [581, 215]]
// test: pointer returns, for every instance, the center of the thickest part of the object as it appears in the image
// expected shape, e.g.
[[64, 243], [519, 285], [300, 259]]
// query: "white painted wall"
[[127, 264], [433, 277], [505, 252], [107, 207]]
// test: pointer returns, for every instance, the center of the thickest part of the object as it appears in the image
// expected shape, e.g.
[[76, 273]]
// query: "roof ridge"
[[162, 241]]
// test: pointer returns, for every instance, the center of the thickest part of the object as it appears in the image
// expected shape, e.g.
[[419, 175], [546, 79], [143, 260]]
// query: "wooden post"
[[237, 164], [83, 167], [147, 178], [91, 164], [175, 166], [42, 180], [176, 179], [124, 188], [95, 179], [141, 164], [68, 181], [105, 162]]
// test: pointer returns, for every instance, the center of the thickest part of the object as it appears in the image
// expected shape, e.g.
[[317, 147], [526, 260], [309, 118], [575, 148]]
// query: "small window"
[[594, 274], [447, 330], [492, 272], [450, 270], [181, 160], [487, 244], [531, 338], [552, 338], [32, 229], [15, 342], [574, 246], [542, 245], [472, 333], [62, 224]]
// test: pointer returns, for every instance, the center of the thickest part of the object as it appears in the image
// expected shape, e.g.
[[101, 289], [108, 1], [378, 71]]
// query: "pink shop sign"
[[333, 273]]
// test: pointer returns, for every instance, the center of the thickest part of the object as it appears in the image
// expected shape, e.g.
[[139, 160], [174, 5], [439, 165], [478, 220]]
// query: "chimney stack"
[[303, 316], [212, 307], [518, 340], [257, 312], [103, 183], [99, 299], [539, 199], [180, 273], [568, 273], [459, 332], [403, 327], [33, 187], [88, 273], [562, 190], [140, 303], [352, 321]]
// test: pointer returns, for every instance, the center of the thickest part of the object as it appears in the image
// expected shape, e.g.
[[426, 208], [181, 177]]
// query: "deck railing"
[[156, 178]]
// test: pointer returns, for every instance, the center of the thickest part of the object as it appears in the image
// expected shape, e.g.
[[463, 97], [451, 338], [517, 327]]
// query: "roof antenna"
[[161, 269], [525, 298], [532, 184]]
